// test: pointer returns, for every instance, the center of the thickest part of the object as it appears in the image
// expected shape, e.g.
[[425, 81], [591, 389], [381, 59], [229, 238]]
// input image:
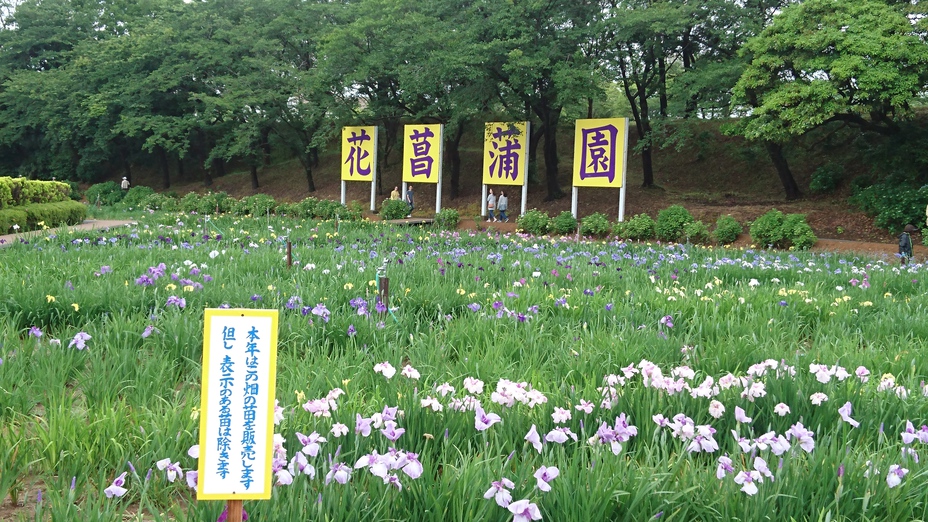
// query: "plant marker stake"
[[235, 510], [289, 254]]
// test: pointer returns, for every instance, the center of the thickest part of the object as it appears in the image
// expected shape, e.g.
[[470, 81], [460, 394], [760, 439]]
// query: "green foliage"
[[564, 223], [639, 228], [74, 191], [767, 230], [135, 195], [671, 221], [215, 203], [534, 222], [257, 205], [893, 202], [107, 193], [189, 203], [307, 208], [330, 209], [159, 201], [825, 178], [595, 225], [54, 214], [13, 216], [696, 232], [393, 209], [447, 219], [727, 230], [777, 230]]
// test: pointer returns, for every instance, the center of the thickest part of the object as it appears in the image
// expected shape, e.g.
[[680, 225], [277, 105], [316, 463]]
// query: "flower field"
[[507, 377]]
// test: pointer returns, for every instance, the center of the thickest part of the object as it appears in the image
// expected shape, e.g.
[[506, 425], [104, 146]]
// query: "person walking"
[[502, 204], [410, 200], [905, 243], [125, 183], [395, 195], [491, 207]]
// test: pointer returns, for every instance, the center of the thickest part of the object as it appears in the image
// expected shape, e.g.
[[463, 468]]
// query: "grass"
[[544, 323]]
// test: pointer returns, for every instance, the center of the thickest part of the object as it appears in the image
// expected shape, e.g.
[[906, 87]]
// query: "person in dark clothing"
[[905, 243], [410, 201]]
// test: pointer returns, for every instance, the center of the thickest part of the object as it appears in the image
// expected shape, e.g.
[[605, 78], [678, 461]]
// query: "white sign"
[[237, 404]]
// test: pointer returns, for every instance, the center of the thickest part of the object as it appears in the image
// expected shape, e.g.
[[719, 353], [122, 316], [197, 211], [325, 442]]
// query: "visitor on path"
[[491, 207], [503, 205], [125, 183], [410, 201], [395, 195], [905, 243]]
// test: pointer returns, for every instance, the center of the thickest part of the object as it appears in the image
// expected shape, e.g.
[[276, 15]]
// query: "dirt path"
[[90, 224]]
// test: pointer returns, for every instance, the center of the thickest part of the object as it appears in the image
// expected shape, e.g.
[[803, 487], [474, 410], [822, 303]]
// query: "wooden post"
[[289, 254], [235, 511], [384, 291]]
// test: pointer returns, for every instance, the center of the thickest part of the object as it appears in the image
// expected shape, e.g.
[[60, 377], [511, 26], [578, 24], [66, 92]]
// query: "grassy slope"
[[710, 175]]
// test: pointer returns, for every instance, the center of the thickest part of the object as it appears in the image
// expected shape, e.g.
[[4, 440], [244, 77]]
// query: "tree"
[[824, 61]]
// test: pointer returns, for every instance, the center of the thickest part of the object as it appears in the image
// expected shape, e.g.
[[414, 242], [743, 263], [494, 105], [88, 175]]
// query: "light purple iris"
[[483, 420], [321, 311], [79, 341], [524, 511], [391, 431], [35, 332], [533, 438], [116, 489], [544, 475], [499, 490], [179, 302]]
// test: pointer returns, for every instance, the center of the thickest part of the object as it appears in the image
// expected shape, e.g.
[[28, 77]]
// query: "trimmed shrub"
[[640, 228], [595, 225], [670, 222], [394, 209], [259, 205], [564, 223], [54, 214], [135, 195], [534, 222], [328, 209], [620, 229], [696, 232], [447, 219], [767, 230], [10, 217], [308, 207], [727, 230]]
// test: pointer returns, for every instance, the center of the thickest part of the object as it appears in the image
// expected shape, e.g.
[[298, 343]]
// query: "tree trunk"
[[551, 117], [127, 170], [165, 169], [180, 168], [254, 176], [308, 169], [688, 59], [662, 84], [589, 108], [644, 133], [538, 132], [454, 154], [775, 150], [266, 145]]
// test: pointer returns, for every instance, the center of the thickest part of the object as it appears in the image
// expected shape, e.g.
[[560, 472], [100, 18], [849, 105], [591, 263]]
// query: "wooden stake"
[[234, 508], [289, 254], [384, 291]]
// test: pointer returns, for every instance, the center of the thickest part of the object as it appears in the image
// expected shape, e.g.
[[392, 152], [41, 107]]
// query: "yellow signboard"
[[599, 152], [237, 404], [422, 153], [359, 153], [505, 153]]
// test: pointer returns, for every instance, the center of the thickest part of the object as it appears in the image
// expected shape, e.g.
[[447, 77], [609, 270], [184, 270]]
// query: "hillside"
[[710, 176]]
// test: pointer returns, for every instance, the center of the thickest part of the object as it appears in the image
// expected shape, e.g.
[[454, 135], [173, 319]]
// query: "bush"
[[767, 230], [307, 207], [447, 219], [727, 230], [564, 223], [620, 229], [74, 191], [211, 202], [135, 195], [394, 209], [893, 203], [670, 222], [353, 212], [534, 222], [10, 217], [825, 178], [189, 203], [328, 209], [54, 214], [696, 232], [797, 233], [640, 228], [158, 201], [107, 193], [595, 225], [259, 205]]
